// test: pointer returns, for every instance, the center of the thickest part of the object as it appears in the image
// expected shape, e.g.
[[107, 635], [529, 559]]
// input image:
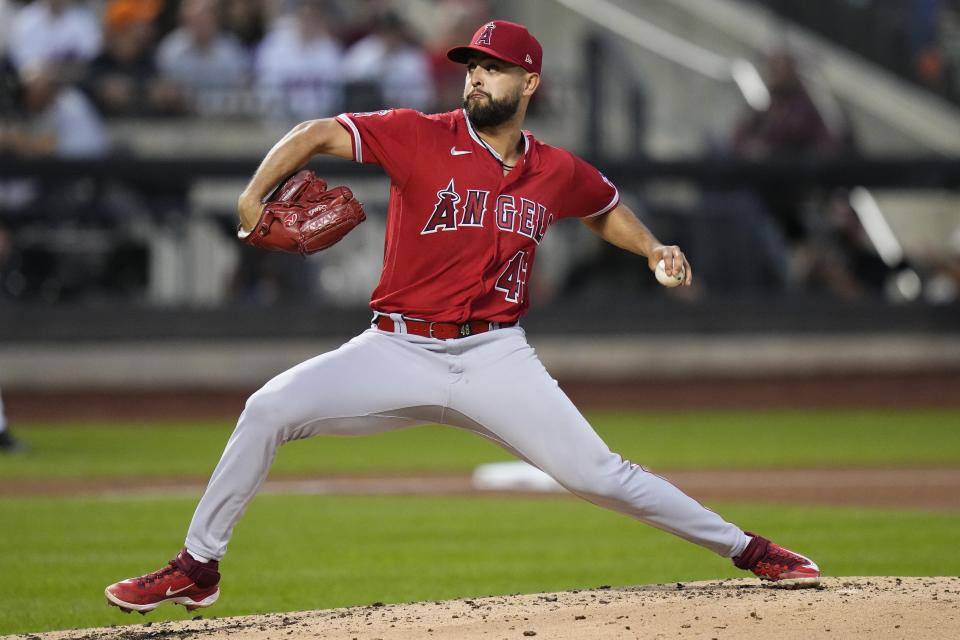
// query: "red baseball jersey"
[[461, 236]]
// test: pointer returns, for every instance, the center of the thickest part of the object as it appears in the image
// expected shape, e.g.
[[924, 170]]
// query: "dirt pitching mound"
[[875, 608]]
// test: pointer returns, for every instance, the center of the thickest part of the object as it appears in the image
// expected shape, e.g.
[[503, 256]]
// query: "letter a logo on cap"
[[484, 38], [514, 45]]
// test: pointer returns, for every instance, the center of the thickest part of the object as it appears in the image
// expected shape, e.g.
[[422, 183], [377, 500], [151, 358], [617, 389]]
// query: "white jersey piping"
[[357, 145], [479, 140], [611, 205]]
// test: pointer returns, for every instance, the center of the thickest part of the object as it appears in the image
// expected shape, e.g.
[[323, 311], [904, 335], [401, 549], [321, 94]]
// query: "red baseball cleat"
[[772, 562], [183, 581]]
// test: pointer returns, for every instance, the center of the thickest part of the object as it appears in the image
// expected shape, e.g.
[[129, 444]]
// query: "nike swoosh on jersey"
[[173, 593], [457, 152]]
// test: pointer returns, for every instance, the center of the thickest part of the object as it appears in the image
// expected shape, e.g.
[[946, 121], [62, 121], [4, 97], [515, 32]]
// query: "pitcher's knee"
[[592, 485], [265, 413], [607, 478]]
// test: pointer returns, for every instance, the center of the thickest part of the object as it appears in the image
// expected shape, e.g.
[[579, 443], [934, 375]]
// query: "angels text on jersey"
[[510, 213]]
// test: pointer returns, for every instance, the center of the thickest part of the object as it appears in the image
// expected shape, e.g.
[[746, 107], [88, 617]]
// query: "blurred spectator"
[[207, 63], [247, 20], [362, 18], [54, 120], [779, 221], [950, 45], [15, 193], [169, 17], [298, 66], [6, 18], [841, 259], [6, 266], [943, 283], [64, 32], [935, 45], [928, 62], [394, 62], [790, 127], [8, 444], [9, 91], [123, 80], [59, 119]]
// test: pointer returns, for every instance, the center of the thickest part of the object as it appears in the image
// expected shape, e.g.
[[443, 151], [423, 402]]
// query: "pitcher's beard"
[[491, 113]]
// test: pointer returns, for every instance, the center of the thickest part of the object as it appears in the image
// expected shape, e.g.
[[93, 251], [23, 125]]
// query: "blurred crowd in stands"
[[68, 68], [286, 59], [809, 237], [935, 44], [918, 39], [780, 237], [71, 68]]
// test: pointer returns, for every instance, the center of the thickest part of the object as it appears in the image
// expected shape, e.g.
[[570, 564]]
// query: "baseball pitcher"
[[472, 195]]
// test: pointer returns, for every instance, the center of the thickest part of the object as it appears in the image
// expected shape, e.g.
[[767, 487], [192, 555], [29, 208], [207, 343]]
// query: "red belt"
[[442, 330]]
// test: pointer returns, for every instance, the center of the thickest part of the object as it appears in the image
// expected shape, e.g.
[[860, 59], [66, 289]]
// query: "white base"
[[513, 476]]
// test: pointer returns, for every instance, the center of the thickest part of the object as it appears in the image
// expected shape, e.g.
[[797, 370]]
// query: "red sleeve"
[[388, 138], [591, 193]]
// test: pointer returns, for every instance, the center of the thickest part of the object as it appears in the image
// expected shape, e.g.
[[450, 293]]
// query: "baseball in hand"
[[669, 281]]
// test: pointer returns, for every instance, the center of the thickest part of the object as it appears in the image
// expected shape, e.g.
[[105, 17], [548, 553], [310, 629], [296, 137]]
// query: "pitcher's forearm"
[[621, 228], [292, 152]]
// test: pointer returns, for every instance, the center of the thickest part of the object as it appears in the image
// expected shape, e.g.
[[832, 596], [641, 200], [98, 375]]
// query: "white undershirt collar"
[[493, 152]]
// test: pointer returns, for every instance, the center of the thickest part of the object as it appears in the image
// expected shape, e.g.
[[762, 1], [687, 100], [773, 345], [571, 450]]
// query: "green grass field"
[[656, 440], [338, 551]]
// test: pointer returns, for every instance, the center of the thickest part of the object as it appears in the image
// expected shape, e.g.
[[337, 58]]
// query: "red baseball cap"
[[507, 41]]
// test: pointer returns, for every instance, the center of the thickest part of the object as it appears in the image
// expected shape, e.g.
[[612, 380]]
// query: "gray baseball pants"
[[490, 383]]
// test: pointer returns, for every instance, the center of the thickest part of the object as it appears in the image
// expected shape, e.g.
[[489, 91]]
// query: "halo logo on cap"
[[486, 35], [513, 43]]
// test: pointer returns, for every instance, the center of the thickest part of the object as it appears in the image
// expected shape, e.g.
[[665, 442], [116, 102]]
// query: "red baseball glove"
[[302, 216]]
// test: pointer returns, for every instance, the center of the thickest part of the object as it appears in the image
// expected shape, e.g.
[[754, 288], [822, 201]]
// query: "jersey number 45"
[[513, 281]]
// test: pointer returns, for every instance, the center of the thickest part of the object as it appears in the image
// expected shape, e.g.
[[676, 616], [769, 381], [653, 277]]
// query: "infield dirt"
[[864, 607]]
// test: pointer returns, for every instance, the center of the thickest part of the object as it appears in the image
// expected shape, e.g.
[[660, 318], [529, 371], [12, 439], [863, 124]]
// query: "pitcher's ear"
[[531, 84]]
